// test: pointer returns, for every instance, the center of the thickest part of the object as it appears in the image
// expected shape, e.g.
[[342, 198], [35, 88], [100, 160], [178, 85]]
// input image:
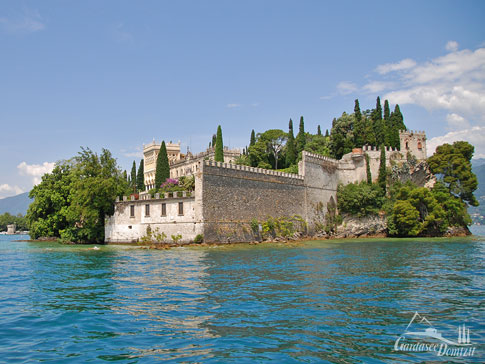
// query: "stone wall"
[[321, 181], [233, 195]]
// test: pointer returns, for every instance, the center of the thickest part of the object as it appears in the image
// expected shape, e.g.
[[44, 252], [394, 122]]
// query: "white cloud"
[[400, 66], [29, 22], [7, 190], [346, 87], [456, 122], [378, 86], [474, 135], [232, 106], [451, 46], [36, 171], [454, 83]]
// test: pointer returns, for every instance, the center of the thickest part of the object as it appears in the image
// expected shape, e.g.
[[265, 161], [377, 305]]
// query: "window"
[[407, 145], [181, 208], [420, 146], [132, 210], [147, 210], [164, 209]]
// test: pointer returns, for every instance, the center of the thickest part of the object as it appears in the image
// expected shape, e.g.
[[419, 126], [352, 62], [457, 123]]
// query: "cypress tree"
[[140, 178], [290, 146], [214, 140], [378, 110], [319, 131], [381, 179], [386, 110], [326, 134], [300, 138], [163, 168], [125, 175], [133, 176], [367, 169], [253, 138], [219, 157], [357, 113]]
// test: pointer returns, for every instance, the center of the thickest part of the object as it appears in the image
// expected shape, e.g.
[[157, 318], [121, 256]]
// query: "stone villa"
[[228, 197]]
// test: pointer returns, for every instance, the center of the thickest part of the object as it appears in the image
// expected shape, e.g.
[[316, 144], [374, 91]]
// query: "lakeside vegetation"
[[19, 220]]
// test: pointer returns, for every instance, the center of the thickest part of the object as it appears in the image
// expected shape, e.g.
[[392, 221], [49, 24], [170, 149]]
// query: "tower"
[[413, 142]]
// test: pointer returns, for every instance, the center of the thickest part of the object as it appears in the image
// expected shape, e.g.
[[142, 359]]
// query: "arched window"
[[420, 146], [407, 145]]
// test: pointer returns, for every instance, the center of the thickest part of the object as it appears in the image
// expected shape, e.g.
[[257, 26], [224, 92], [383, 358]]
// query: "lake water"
[[318, 301]]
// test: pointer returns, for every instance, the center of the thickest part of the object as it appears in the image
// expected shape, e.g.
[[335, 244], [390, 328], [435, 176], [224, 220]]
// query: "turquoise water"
[[334, 302]]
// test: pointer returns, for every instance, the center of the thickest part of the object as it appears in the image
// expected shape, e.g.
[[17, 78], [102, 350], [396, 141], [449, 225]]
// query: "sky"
[[118, 74]]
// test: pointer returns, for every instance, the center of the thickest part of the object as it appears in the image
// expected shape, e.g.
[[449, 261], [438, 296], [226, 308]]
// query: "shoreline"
[[336, 238]]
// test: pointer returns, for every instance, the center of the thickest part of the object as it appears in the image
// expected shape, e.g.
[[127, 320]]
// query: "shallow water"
[[319, 301]]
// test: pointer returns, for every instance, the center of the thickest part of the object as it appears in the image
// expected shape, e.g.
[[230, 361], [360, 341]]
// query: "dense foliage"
[[72, 201], [452, 165], [8, 219], [366, 128], [360, 199]]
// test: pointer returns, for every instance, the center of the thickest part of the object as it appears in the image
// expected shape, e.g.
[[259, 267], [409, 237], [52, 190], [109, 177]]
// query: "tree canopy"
[[452, 165], [73, 200]]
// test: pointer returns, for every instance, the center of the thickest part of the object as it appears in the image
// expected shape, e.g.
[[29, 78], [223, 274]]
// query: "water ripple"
[[330, 302]]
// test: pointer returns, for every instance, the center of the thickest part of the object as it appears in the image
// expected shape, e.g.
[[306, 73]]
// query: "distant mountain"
[[15, 204], [478, 213], [478, 162]]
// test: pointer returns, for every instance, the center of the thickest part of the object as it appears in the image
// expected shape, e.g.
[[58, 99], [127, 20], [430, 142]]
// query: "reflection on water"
[[344, 302]]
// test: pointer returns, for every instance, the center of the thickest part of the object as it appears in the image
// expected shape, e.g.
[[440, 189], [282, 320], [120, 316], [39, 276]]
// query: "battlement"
[[158, 196], [157, 145], [412, 132], [371, 148], [268, 172], [317, 158]]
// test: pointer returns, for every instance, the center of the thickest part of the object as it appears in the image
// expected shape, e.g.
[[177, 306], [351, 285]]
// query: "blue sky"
[[116, 74]]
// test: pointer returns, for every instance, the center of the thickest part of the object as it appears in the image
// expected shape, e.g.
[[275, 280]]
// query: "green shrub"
[[361, 199], [176, 238], [199, 238]]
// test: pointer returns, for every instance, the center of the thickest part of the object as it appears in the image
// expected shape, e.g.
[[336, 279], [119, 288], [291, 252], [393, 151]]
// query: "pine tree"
[[301, 138], [163, 168], [140, 177], [357, 113], [319, 131], [290, 146], [219, 157], [253, 138], [382, 178], [367, 169], [133, 176]]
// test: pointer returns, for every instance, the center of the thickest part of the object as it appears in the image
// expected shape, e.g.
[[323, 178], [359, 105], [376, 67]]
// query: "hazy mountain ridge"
[[479, 170], [16, 204]]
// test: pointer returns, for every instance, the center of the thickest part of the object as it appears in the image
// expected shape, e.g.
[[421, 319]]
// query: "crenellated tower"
[[414, 142]]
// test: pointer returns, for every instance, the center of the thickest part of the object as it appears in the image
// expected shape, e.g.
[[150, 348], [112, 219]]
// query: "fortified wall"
[[230, 201], [234, 195]]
